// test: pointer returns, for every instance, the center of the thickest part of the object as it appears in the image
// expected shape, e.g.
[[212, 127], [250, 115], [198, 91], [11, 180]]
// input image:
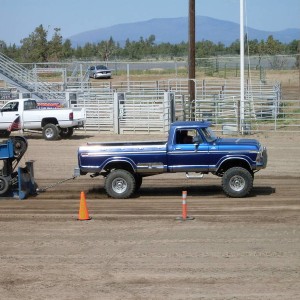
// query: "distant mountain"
[[175, 30]]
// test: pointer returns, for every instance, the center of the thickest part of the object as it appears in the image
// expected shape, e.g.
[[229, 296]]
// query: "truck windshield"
[[209, 134]]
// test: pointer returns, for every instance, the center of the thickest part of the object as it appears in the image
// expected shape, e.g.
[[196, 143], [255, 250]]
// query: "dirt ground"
[[136, 249]]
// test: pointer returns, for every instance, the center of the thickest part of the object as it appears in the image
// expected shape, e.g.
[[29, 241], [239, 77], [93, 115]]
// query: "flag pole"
[[242, 68]]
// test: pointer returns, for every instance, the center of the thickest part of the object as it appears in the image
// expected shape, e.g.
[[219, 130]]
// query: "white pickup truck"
[[24, 114]]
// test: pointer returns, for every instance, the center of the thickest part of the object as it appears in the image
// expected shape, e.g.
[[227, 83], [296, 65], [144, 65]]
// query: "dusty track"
[[136, 249], [161, 197]]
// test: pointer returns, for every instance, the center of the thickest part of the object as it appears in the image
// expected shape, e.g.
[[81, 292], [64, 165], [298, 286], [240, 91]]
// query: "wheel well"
[[124, 165], [49, 120], [233, 163]]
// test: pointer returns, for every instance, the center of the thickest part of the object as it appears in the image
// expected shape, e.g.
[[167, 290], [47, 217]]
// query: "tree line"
[[37, 47]]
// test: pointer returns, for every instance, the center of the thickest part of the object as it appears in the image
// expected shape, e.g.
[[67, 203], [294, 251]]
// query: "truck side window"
[[26, 105], [29, 105], [185, 136], [15, 106], [12, 106]]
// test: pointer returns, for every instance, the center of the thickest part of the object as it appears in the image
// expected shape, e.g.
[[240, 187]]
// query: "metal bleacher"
[[26, 80]]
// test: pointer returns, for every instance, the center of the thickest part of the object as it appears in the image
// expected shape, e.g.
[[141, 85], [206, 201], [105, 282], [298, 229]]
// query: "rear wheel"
[[237, 182], [120, 184], [50, 132]]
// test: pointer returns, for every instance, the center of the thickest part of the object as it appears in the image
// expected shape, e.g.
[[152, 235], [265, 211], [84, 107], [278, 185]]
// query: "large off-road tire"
[[138, 182], [4, 185], [66, 133], [237, 182], [120, 184], [20, 146], [50, 132]]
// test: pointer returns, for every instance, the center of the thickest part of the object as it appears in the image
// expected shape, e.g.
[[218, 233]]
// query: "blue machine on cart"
[[15, 181]]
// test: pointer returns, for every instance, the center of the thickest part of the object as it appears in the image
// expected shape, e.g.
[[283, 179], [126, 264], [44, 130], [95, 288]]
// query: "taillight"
[[71, 116]]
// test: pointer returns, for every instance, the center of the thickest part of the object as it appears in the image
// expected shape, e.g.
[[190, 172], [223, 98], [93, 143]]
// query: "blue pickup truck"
[[192, 148]]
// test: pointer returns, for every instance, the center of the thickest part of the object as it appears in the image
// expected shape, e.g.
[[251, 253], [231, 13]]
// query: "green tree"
[[234, 48], [273, 47], [205, 49], [293, 47], [132, 50], [3, 47], [78, 52], [89, 50], [35, 47], [13, 52], [67, 49], [55, 47], [253, 47], [106, 49]]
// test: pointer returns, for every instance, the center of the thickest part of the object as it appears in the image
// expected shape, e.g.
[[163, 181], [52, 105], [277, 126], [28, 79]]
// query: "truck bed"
[[148, 156], [133, 143]]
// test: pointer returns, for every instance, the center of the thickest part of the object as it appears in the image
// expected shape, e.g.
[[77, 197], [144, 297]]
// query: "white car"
[[99, 71]]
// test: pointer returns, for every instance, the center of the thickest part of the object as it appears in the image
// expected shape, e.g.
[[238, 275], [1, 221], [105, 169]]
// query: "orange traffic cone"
[[184, 216], [184, 205], [83, 213]]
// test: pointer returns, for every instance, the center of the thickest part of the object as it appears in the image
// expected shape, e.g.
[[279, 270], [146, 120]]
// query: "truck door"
[[9, 113], [31, 115], [184, 155]]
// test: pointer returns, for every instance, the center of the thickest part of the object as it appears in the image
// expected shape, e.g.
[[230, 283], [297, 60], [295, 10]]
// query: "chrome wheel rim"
[[237, 183], [119, 185], [49, 133]]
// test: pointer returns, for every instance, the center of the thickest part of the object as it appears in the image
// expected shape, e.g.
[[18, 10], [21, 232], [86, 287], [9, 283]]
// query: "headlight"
[[261, 158]]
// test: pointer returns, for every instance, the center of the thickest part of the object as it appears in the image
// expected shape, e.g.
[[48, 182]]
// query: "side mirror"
[[197, 140]]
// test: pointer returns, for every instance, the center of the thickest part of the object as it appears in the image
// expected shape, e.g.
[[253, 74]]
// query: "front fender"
[[234, 161]]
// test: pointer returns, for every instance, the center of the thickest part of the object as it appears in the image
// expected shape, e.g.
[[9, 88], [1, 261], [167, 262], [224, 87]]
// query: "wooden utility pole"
[[298, 60], [191, 58]]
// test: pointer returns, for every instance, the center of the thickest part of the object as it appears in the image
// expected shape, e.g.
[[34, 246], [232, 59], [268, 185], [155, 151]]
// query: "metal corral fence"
[[74, 74], [143, 109], [120, 112], [149, 107], [256, 66]]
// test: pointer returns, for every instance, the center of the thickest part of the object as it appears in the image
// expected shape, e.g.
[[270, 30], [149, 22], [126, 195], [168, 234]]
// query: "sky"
[[19, 18]]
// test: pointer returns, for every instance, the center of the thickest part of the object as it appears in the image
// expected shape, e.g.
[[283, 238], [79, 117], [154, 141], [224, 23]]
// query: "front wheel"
[[120, 184], [139, 181], [237, 182], [50, 132]]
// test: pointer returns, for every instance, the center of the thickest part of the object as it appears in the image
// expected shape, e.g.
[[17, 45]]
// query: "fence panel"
[[99, 110], [143, 113]]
